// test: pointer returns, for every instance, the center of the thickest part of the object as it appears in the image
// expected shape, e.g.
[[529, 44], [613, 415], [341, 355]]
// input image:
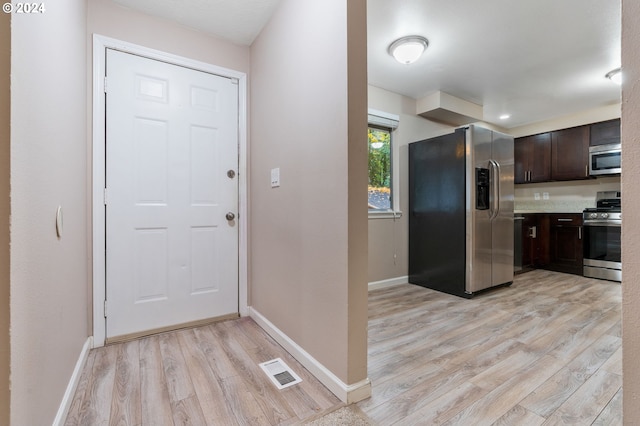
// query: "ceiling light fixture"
[[408, 49], [504, 116], [615, 76]]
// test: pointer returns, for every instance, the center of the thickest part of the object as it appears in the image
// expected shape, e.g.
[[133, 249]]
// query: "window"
[[382, 184], [380, 197]]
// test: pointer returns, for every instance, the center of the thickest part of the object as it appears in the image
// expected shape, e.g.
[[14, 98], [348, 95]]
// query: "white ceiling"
[[238, 21], [533, 59]]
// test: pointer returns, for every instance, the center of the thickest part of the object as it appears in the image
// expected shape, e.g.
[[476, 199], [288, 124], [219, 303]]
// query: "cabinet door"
[[529, 241], [521, 155], [543, 241], [540, 162], [532, 157], [604, 133], [570, 153], [565, 254]]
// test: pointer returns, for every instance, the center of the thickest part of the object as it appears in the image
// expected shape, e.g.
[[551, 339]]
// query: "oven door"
[[602, 253]]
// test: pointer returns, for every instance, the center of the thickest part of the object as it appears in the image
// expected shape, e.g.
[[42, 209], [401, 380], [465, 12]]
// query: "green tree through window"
[[379, 169]]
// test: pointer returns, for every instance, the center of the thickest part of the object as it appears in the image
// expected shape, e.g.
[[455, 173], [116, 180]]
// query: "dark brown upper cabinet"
[[532, 155], [570, 154], [605, 133]]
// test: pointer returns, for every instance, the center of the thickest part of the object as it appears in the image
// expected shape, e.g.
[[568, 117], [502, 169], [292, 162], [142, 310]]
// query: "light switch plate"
[[545, 195], [536, 195], [275, 177]]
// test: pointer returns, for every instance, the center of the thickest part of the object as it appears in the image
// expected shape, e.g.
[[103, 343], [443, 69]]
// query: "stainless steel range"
[[602, 226]]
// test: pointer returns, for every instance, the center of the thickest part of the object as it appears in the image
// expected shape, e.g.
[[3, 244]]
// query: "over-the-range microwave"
[[604, 160]]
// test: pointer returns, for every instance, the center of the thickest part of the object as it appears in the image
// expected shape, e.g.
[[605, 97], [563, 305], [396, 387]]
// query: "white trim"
[[384, 119], [100, 44], [67, 399], [347, 393], [388, 283], [390, 122], [384, 214]]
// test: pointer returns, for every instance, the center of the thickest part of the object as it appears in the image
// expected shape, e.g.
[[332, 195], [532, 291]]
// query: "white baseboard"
[[347, 393], [63, 410], [388, 283]]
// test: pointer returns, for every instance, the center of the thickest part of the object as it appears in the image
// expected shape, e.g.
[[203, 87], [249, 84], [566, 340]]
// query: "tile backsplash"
[[562, 197]]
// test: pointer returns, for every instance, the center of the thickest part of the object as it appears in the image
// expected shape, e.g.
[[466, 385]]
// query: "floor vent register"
[[280, 374]]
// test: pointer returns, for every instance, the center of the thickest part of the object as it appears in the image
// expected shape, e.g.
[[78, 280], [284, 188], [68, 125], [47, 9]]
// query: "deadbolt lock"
[[231, 174]]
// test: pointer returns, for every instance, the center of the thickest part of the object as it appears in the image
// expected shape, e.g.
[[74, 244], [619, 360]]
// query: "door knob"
[[230, 216]]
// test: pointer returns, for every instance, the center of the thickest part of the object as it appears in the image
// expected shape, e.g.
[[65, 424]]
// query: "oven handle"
[[601, 223]]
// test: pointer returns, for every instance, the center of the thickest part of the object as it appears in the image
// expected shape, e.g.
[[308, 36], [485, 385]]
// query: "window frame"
[[381, 120]]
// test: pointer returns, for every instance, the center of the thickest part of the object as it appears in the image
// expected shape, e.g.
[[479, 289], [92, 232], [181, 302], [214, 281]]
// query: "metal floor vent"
[[280, 373]]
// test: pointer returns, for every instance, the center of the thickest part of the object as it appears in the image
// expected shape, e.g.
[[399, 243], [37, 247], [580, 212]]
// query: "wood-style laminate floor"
[[203, 376], [545, 351]]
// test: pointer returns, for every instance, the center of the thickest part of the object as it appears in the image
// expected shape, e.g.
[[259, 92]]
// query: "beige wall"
[[388, 238], [5, 116], [305, 277], [112, 20], [48, 169], [357, 297], [631, 203]]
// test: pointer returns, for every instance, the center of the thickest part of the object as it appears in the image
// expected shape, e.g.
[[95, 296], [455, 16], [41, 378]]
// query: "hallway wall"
[[48, 169], [5, 117]]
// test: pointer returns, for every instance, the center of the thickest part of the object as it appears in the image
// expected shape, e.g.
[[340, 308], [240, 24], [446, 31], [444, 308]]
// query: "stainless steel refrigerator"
[[461, 211]]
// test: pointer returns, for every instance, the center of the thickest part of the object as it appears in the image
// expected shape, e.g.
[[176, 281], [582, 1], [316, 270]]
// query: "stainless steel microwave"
[[604, 160]]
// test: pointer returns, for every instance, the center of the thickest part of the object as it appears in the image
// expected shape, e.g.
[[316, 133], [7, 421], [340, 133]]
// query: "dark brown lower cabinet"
[[565, 243], [530, 252], [552, 241]]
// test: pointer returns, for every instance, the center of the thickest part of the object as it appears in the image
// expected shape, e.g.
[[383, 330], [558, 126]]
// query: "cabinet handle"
[[532, 231], [565, 220], [580, 232]]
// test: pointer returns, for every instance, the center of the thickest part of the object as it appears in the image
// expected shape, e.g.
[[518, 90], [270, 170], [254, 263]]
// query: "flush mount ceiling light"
[[615, 76], [408, 49], [504, 116]]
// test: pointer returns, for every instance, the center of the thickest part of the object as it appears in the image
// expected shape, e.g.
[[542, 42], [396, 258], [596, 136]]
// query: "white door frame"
[[100, 44]]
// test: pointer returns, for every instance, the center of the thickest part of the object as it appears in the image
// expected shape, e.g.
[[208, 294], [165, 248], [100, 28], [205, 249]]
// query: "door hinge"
[[104, 196], [105, 308], [234, 80], [105, 84]]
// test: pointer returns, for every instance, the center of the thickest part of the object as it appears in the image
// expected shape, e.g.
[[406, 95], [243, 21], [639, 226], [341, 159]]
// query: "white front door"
[[171, 188]]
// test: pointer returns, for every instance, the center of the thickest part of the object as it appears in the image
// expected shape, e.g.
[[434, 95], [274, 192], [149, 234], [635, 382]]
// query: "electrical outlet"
[[545, 195], [275, 177], [536, 195]]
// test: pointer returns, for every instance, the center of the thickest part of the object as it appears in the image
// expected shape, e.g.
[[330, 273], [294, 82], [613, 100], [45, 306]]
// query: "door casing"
[[100, 44]]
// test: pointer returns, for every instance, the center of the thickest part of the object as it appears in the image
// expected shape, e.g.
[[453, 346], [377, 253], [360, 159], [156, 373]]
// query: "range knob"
[[604, 215], [593, 215]]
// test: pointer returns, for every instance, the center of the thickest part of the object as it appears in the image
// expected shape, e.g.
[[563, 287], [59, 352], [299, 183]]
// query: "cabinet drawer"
[[565, 219]]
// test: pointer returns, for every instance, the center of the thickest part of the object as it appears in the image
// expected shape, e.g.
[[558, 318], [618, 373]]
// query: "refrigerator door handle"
[[495, 183]]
